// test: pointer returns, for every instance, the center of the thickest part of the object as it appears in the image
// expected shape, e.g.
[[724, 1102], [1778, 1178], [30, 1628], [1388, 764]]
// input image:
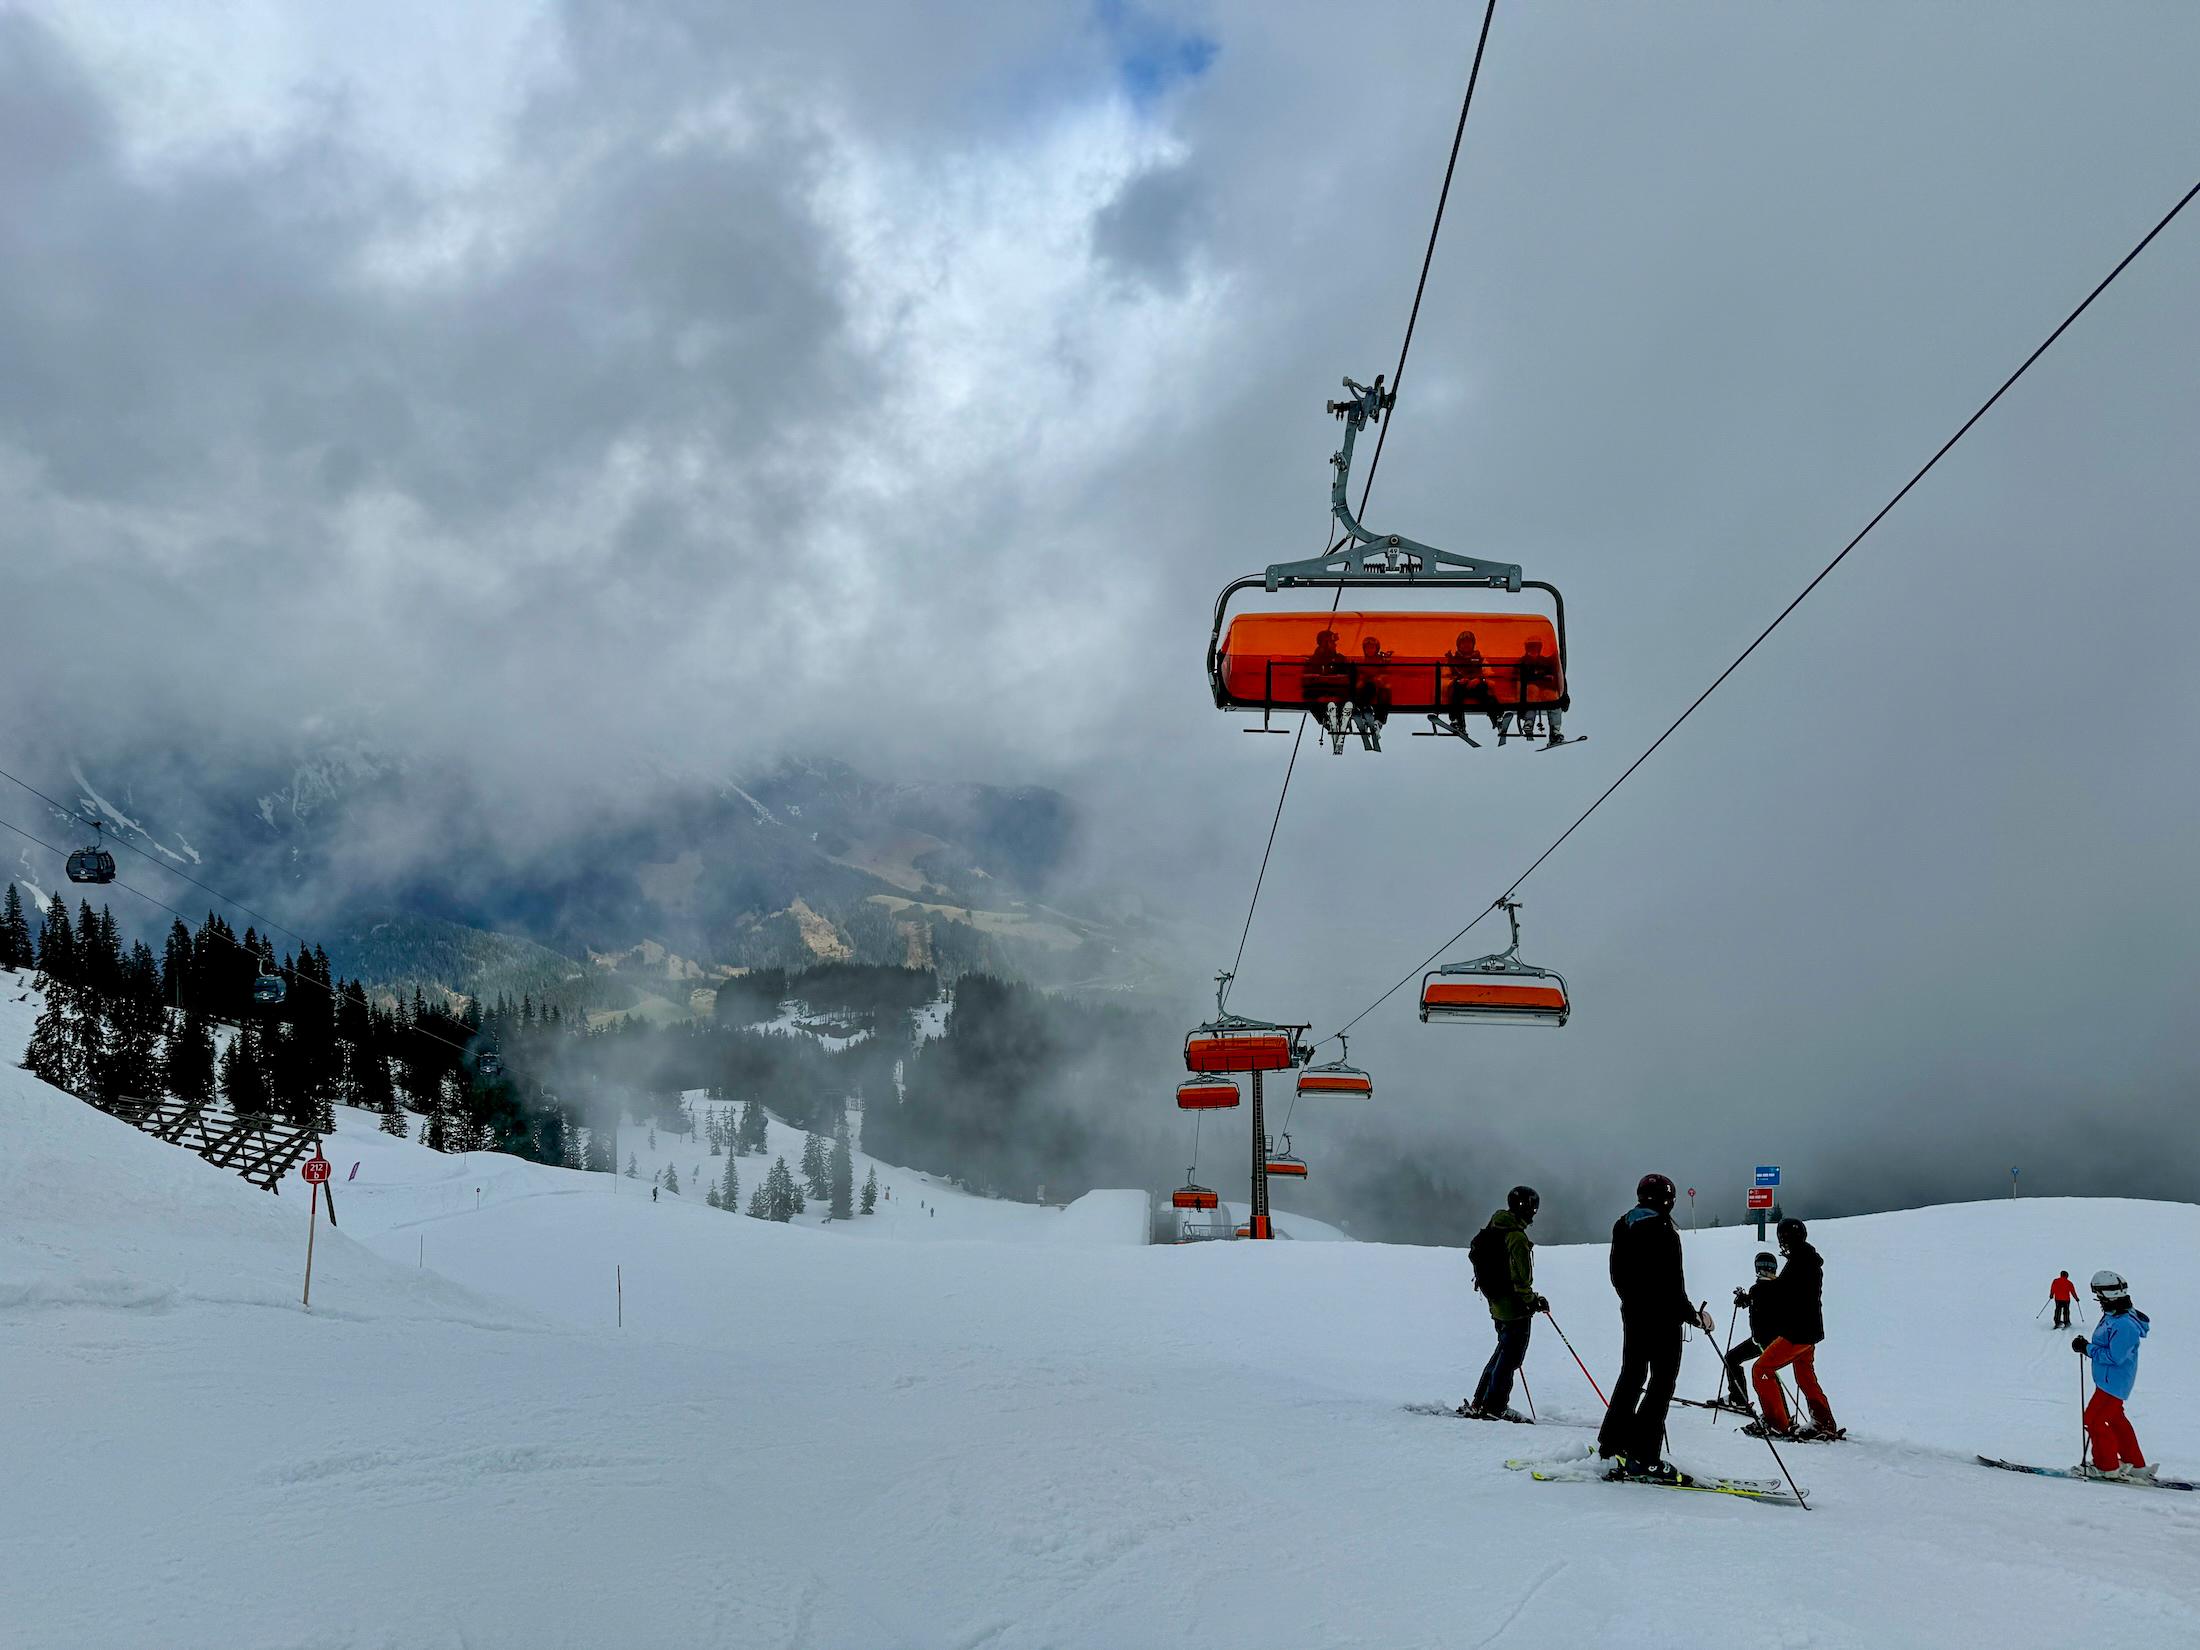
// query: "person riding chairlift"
[[1534, 670], [1467, 686]]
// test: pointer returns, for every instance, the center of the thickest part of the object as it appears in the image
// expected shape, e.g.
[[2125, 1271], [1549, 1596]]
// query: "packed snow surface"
[[997, 1425]]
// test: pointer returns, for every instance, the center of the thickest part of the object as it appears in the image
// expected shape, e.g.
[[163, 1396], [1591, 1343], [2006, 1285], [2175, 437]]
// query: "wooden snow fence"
[[261, 1149]]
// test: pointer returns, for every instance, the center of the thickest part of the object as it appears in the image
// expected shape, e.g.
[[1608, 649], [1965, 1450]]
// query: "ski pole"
[[2036, 1315], [1783, 1466], [1719, 1393], [2085, 1438], [1578, 1364], [1527, 1394]]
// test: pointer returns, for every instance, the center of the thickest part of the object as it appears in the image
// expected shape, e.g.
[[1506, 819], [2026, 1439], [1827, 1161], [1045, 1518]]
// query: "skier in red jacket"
[[2062, 1292]]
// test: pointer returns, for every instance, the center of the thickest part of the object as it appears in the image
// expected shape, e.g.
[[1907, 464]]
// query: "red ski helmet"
[[1655, 1191]]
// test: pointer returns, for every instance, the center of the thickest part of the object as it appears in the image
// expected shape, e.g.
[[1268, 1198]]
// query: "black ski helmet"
[[1792, 1231], [1524, 1201], [1654, 1191], [1767, 1263]]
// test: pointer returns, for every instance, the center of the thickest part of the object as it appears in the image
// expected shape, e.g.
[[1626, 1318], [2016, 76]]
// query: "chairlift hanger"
[[1498, 989], [1336, 1076], [93, 863], [1234, 1042], [1299, 661]]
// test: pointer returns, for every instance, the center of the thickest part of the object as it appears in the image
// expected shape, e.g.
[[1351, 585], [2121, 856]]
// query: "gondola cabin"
[[1233, 1048], [1500, 999], [268, 988], [1434, 664], [1207, 1094], [1194, 1197], [91, 865]]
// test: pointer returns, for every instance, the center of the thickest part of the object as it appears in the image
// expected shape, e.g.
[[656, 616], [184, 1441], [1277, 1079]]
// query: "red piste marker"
[[315, 1171]]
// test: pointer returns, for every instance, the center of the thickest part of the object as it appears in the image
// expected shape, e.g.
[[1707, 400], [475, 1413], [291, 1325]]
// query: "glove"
[[1741, 1297], [1542, 1305], [2078, 1343], [1703, 1322]]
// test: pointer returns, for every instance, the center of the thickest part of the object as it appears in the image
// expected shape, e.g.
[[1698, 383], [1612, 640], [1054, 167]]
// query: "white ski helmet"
[[2110, 1285]]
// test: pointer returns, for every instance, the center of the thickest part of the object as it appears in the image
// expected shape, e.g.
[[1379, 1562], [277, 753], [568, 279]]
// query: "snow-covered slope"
[[842, 1436]]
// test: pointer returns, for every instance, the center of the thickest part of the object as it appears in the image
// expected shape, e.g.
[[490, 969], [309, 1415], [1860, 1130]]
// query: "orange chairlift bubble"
[[1207, 1094], [1497, 989], [1232, 1042], [1192, 1195], [1354, 670], [1336, 1076], [1286, 1162]]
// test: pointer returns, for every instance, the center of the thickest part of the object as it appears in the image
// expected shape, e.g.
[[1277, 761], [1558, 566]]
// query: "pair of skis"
[[1591, 1470], [2088, 1477]]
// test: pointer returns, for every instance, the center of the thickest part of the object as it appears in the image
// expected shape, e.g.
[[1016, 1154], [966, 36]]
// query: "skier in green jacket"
[[1503, 1258]]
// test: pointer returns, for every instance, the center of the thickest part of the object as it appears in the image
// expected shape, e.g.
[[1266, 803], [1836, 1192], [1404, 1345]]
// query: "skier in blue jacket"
[[2114, 1350]]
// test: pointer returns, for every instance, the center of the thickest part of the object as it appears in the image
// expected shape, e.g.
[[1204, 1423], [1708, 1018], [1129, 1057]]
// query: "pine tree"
[[729, 1194], [815, 1176], [779, 1198], [244, 1084], [843, 1174], [633, 1169], [711, 1197], [755, 1128], [16, 950], [189, 1066], [870, 1191], [672, 1179], [57, 943], [52, 1054]]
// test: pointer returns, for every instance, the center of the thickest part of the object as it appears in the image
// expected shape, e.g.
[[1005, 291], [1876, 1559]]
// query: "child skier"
[[2062, 1292], [2114, 1350], [1758, 1298]]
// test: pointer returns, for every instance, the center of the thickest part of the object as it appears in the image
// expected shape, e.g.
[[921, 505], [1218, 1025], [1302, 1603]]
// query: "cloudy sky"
[[902, 382]]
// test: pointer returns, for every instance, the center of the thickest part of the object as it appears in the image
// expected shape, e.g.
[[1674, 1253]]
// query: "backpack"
[[1492, 1264]]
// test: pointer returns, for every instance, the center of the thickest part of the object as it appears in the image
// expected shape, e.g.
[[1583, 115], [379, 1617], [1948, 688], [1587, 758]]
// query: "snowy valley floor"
[[1031, 1432]]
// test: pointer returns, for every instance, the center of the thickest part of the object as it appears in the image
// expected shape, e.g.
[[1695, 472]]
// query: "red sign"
[[1760, 1197], [315, 1169]]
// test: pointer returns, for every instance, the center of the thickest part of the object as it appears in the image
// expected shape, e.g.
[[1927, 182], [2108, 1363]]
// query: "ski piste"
[[1583, 1467], [2087, 1478]]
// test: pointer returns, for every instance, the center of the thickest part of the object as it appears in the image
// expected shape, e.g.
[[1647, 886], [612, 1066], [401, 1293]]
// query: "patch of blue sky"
[[1152, 53]]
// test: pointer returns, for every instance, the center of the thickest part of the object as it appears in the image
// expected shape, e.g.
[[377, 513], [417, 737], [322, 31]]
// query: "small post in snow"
[[315, 1171], [1691, 1208], [618, 1274], [2012, 1182]]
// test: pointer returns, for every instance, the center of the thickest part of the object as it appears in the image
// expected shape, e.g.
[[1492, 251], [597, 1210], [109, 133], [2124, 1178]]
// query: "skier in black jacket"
[[1799, 1313], [1758, 1298], [1653, 1305]]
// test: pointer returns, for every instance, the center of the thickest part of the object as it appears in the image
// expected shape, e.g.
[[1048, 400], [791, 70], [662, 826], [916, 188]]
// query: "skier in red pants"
[[1798, 1310], [2062, 1292], [2114, 1349]]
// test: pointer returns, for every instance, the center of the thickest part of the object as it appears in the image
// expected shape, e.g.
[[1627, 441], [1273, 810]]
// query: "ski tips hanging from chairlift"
[[1498, 989], [1234, 1042], [92, 863], [1354, 670], [1336, 1076]]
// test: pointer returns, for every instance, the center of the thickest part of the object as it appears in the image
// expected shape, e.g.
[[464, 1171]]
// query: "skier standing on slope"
[[1653, 1305], [2114, 1350], [1758, 1298], [1503, 1258], [1798, 1310], [2062, 1292]]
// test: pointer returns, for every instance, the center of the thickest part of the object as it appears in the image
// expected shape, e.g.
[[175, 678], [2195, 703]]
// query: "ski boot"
[[1779, 1435], [1627, 1471]]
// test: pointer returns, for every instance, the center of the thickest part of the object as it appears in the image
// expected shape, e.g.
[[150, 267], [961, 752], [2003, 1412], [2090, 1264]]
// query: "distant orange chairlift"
[[1235, 1043], [1498, 989], [1338, 1076], [1352, 670]]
